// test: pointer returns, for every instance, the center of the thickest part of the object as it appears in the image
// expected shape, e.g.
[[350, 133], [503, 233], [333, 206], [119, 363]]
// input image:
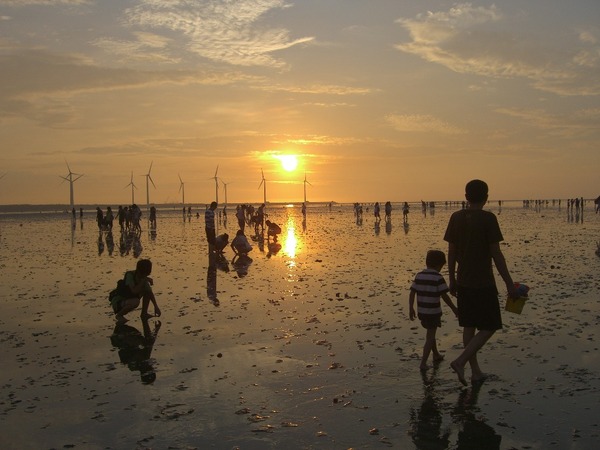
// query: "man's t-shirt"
[[473, 231]]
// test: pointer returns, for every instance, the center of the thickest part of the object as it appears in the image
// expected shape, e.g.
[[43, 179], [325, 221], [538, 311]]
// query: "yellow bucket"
[[515, 305]]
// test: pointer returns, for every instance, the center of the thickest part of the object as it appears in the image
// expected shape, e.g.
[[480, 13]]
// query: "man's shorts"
[[479, 308]]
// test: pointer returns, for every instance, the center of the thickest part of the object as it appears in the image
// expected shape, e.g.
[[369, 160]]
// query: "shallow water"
[[312, 348]]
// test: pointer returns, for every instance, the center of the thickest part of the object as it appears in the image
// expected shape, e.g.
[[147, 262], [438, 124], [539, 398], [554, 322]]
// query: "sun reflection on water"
[[291, 239]]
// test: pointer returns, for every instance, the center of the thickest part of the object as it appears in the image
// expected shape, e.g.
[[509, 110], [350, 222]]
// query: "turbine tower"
[[263, 183], [305, 183], [71, 180], [216, 185], [225, 189], [133, 186], [149, 177], [182, 190]]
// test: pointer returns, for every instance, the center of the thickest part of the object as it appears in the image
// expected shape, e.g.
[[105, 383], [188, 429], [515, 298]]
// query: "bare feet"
[[438, 358], [120, 318], [460, 372], [423, 367]]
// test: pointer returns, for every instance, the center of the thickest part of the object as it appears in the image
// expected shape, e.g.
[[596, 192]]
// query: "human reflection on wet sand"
[[110, 243], [100, 243], [135, 348], [427, 421], [241, 264], [211, 278], [130, 242], [474, 432]]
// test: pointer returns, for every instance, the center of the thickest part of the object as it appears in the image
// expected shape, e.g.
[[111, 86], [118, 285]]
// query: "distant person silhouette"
[[221, 242], [272, 230], [209, 225], [99, 218], [137, 285], [240, 244]]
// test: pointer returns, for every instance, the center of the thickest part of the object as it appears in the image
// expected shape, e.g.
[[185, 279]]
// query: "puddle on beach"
[[309, 346]]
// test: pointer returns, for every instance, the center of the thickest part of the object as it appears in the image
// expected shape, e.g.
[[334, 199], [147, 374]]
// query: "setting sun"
[[288, 162]]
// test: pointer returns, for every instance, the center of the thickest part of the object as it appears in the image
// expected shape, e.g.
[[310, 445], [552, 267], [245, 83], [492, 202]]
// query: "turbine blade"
[[151, 181], [217, 171]]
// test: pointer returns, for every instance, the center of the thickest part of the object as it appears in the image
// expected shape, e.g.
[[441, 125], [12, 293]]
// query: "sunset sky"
[[378, 99]]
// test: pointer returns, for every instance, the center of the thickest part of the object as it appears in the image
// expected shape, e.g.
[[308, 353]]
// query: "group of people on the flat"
[[473, 237], [246, 215], [128, 217]]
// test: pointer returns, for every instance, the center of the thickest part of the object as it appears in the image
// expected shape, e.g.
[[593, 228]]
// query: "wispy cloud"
[[421, 123], [464, 40], [318, 89], [18, 3], [220, 30], [147, 47], [23, 92], [577, 123]]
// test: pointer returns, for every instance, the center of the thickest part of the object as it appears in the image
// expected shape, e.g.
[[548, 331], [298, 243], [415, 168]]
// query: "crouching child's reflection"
[[135, 348]]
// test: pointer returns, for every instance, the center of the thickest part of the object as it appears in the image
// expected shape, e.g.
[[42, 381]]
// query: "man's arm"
[[500, 264], [452, 268]]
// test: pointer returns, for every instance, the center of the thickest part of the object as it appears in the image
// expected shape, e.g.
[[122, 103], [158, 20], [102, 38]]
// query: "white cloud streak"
[[472, 39], [22, 3], [421, 123], [219, 30]]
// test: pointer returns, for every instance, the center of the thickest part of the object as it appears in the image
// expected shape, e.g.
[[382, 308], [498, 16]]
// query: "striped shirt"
[[429, 285], [209, 219]]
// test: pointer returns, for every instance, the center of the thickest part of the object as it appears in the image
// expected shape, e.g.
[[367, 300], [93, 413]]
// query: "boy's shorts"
[[479, 308], [431, 321]]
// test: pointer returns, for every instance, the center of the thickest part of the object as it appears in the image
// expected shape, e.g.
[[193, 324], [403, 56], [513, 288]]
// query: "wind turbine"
[[305, 183], [182, 190], [71, 180], [216, 185], [263, 183], [133, 186], [148, 177], [225, 188]]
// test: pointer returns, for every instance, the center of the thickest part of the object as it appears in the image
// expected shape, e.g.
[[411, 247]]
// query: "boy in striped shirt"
[[428, 286]]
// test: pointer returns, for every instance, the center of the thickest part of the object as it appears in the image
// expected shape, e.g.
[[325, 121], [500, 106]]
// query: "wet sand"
[[312, 348]]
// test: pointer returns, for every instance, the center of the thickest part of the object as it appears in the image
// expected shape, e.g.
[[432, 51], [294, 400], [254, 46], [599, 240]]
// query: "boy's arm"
[[452, 268], [450, 304], [411, 305], [500, 264], [154, 303]]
